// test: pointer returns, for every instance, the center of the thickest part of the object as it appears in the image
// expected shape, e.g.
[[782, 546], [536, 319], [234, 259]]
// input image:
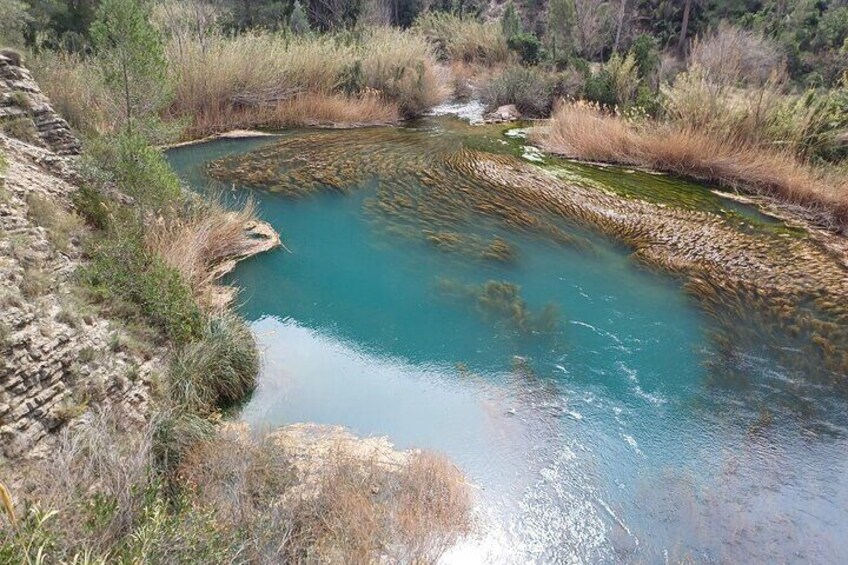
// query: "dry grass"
[[61, 226], [243, 498], [74, 90], [583, 132], [299, 111], [466, 40], [199, 242], [261, 79]]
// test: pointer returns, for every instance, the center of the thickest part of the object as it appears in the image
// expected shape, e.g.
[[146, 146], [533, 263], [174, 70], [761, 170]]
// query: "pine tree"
[[298, 22], [510, 22], [562, 17], [131, 57]]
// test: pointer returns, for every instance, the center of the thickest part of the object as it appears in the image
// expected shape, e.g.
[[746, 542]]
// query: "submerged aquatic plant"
[[427, 187], [500, 302]]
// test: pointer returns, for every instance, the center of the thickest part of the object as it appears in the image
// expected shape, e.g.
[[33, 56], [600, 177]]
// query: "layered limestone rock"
[[22, 99], [57, 357]]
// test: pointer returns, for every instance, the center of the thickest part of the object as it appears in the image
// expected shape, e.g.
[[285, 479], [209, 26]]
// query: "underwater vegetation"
[[499, 302], [760, 284], [423, 190]]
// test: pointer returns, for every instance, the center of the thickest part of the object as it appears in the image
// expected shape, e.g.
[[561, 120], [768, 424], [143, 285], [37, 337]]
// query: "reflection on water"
[[596, 409]]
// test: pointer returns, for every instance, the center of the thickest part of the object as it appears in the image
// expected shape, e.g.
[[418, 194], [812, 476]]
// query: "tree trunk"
[[621, 13], [684, 28]]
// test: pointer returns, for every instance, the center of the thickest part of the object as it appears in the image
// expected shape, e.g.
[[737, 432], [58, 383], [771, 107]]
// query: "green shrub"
[[527, 46], [22, 128], [529, 88], [92, 206], [599, 88], [20, 99], [139, 170], [646, 53], [218, 370], [615, 84], [124, 275]]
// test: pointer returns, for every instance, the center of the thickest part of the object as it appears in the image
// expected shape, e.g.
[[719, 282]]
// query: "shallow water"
[[609, 432]]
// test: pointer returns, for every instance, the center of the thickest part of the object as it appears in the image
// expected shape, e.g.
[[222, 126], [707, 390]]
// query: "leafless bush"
[[732, 56], [348, 510], [100, 463]]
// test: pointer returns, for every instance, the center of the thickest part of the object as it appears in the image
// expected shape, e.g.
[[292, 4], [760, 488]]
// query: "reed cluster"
[[263, 79], [583, 131], [463, 39]]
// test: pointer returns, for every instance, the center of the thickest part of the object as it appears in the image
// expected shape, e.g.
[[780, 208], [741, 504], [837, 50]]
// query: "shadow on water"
[[606, 413]]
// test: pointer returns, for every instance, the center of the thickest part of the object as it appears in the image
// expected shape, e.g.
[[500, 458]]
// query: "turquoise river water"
[[594, 433]]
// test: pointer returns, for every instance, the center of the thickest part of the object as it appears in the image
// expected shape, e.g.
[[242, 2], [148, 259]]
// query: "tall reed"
[[582, 131], [263, 79]]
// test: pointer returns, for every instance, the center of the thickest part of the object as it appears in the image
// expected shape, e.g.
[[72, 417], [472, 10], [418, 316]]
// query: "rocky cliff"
[[57, 356]]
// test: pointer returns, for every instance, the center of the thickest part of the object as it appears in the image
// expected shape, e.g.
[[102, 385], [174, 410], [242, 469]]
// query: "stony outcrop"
[[57, 357], [22, 99]]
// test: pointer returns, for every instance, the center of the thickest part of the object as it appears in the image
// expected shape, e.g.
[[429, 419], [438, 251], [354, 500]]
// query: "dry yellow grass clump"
[[582, 131], [261, 79], [205, 242]]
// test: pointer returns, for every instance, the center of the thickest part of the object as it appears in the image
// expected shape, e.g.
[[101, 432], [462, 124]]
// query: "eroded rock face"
[[57, 356], [21, 98]]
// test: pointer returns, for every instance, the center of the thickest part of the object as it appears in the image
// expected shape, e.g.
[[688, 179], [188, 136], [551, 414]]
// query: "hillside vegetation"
[[749, 94]]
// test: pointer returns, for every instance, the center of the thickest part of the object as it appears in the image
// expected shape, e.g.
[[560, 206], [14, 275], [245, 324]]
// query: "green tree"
[[562, 17], [15, 17], [131, 58], [510, 21], [298, 22]]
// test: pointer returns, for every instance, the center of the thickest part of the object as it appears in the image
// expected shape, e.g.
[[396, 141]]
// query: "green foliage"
[[616, 84], [124, 276], [646, 53], [511, 21], [562, 18], [529, 88], [818, 124], [218, 370], [298, 22], [527, 46], [15, 18], [139, 170], [92, 206], [131, 58]]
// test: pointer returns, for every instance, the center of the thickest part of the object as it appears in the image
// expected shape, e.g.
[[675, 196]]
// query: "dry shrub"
[[347, 510], [200, 241], [463, 39], [732, 56], [74, 89], [584, 132]]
